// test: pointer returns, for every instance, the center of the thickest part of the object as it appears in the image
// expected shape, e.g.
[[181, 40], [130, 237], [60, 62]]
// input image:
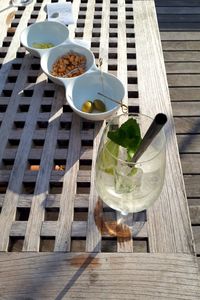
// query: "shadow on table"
[[178, 15], [189, 138], [49, 266], [86, 262]]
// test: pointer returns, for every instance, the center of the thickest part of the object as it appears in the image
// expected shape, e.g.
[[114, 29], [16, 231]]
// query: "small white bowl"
[[87, 87], [50, 57], [43, 32]]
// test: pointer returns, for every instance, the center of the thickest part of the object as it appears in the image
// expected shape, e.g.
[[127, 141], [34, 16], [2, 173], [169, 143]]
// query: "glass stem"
[[133, 221]]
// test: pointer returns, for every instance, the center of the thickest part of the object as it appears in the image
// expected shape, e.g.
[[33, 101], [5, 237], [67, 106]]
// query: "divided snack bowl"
[[43, 32], [86, 85]]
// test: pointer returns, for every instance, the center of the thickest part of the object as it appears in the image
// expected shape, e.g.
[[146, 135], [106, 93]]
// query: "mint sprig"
[[128, 136]]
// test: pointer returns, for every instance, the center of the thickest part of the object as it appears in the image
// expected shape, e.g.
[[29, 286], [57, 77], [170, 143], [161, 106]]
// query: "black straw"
[[156, 125]]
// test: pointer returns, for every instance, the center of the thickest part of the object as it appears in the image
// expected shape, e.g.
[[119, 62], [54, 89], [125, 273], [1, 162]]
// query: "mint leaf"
[[127, 136]]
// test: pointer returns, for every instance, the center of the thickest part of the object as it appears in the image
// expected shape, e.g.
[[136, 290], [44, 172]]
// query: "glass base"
[[129, 225], [118, 225]]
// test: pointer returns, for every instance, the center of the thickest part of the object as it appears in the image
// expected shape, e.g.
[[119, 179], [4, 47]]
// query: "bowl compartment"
[[87, 87], [49, 58], [44, 32]]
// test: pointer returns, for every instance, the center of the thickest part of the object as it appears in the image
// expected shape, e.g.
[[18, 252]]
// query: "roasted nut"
[[69, 65]]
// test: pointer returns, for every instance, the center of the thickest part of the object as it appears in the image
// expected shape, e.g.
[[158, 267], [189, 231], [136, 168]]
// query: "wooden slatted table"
[[51, 241]]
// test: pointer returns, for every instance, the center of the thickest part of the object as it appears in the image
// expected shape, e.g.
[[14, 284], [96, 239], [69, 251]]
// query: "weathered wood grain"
[[36, 217], [21, 79], [174, 232], [63, 237], [182, 19], [72, 27], [183, 80], [181, 26], [178, 10], [193, 201], [182, 68], [190, 163], [181, 109], [192, 185], [122, 49], [195, 215], [16, 178], [93, 237], [7, 14], [89, 18], [189, 93], [179, 36], [104, 37], [123, 245], [93, 234], [178, 55], [13, 104], [107, 276], [187, 125], [196, 231], [177, 3], [79, 229], [177, 46], [10, 55], [181, 56], [189, 143]]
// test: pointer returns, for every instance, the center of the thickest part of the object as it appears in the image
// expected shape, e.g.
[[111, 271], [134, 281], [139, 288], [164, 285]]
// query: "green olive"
[[99, 105], [87, 106]]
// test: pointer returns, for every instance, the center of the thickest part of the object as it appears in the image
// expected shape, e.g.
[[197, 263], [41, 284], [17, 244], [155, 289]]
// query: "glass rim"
[[130, 163]]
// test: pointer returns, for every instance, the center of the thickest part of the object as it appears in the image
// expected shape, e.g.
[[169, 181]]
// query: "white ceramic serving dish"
[[80, 88]]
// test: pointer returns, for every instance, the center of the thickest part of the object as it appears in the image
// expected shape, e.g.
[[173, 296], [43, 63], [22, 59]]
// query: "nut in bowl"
[[85, 95], [67, 62], [69, 65], [41, 36]]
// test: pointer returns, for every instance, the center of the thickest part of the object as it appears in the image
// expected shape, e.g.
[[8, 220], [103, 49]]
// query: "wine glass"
[[127, 187]]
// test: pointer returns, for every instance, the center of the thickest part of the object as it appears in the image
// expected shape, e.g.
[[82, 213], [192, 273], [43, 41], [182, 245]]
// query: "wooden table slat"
[[16, 178], [32, 236], [108, 276], [169, 217]]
